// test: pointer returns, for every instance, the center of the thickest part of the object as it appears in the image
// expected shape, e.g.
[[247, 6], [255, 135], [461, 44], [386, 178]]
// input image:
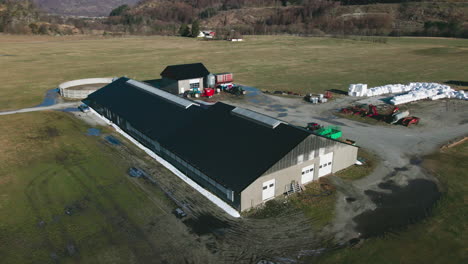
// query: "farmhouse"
[[243, 157], [177, 79], [208, 34]]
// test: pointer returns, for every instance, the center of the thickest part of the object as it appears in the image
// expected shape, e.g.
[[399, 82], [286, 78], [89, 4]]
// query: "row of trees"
[[187, 31]]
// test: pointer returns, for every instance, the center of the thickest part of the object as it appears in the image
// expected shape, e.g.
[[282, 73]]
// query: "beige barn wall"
[[343, 157]]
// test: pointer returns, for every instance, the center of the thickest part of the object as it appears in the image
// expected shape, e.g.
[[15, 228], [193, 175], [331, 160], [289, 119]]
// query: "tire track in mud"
[[33, 203], [121, 220], [56, 222]]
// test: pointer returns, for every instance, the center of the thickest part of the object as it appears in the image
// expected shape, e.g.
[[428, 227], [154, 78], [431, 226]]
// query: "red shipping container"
[[224, 78]]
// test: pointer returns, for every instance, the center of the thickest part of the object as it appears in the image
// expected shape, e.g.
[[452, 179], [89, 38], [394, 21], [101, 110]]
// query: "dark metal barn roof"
[[185, 71]]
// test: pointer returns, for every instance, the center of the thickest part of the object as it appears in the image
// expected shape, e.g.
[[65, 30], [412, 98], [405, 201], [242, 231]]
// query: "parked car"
[[84, 108]]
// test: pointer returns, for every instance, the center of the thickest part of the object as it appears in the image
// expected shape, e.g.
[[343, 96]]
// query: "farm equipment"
[[355, 110], [398, 116], [407, 121], [372, 111], [136, 173], [313, 126], [207, 92], [332, 132], [232, 89], [328, 95], [315, 99]]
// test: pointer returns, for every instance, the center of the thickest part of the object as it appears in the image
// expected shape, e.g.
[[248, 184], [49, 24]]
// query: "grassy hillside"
[[439, 239], [305, 65]]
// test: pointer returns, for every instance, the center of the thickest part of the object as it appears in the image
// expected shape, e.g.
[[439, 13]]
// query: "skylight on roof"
[[165, 95], [257, 117]]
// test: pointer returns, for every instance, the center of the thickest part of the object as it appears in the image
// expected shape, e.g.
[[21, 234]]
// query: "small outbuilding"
[[177, 79]]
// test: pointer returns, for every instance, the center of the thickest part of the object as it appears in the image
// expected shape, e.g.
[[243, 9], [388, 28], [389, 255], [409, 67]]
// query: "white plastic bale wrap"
[[415, 91], [358, 89]]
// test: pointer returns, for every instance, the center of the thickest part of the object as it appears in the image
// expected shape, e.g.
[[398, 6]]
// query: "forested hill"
[[357, 17], [81, 7], [305, 17]]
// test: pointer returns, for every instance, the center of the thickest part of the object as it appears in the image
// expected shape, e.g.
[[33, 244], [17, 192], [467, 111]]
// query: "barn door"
[[307, 174], [326, 163], [268, 191]]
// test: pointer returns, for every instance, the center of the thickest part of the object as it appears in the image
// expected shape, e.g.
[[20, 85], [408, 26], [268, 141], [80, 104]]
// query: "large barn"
[[243, 157]]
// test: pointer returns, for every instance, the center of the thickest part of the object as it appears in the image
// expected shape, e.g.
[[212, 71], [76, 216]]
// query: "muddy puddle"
[[397, 209], [206, 224], [113, 140]]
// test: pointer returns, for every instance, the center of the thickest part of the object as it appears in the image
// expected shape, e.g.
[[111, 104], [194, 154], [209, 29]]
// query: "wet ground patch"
[[403, 206], [205, 224], [70, 109], [113, 140], [50, 98], [93, 132]]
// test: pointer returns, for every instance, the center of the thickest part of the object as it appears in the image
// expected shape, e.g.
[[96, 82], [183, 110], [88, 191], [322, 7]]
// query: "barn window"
[[300, 158], [311, 155], [194, 86]]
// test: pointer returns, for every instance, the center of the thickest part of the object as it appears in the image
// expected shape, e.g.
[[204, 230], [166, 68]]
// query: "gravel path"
[[42, 108]]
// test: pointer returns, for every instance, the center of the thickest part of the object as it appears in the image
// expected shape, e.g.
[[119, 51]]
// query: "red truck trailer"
[[223, 78]]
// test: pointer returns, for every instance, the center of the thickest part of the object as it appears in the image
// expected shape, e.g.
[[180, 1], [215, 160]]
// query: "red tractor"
[[313, 126]]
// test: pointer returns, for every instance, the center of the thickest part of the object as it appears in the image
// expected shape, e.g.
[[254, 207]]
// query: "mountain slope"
[[81, 7]]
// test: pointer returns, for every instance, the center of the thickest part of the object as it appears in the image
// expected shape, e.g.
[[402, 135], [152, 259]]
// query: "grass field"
[[441, 238], [32, 65], [48, 165], [357, 172]]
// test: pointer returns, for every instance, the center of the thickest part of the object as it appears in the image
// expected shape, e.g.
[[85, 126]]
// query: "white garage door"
[[268, 191], [326, 163], [307, 174]]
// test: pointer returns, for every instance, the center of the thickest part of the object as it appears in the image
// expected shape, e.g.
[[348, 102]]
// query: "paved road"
[[42, 108]]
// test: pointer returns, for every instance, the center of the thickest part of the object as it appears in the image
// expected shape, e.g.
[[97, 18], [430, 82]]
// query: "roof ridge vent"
[[257, 117], [163, 94]]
